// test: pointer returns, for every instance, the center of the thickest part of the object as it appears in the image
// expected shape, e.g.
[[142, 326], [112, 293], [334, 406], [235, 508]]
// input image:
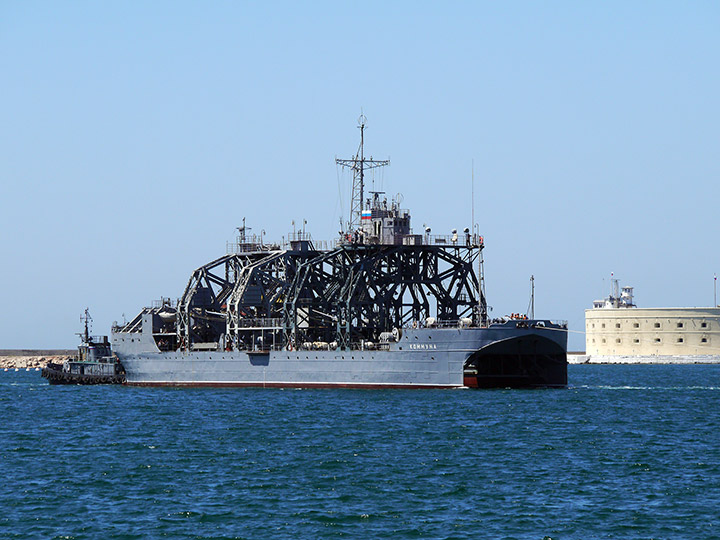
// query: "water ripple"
[[624, 452]]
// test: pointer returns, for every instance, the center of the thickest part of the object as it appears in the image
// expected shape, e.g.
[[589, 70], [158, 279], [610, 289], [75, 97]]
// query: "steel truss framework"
[[344, 296]]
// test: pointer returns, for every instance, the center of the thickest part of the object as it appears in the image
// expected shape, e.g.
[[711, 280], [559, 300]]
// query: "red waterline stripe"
[[290, 385]]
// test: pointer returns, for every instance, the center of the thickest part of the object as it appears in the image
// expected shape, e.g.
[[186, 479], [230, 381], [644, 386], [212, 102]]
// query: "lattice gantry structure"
[[378, 278], [338, 298]]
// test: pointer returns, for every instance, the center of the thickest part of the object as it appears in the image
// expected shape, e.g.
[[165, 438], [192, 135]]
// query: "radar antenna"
[[359, 164]]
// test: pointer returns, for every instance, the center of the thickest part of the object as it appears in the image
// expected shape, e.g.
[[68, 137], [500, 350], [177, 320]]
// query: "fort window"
[[636, 325], [617, 325], [603, 325], [679, 325], [703, 325], [618, 340], [636, 340], [603, 340], [657, 340], [680, 340], [657, 325], [703, 340]]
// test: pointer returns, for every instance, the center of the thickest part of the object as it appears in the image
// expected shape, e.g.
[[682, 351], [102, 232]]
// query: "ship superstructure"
[[616, 299], [379, 306]]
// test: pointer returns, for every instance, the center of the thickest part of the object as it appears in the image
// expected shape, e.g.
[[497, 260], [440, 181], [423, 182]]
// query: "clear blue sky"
[[135, 136]]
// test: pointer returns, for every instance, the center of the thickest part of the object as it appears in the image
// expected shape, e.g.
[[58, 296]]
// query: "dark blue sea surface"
[[624, 452]]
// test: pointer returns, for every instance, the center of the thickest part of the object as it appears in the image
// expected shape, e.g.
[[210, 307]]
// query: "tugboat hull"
[[55, 374]]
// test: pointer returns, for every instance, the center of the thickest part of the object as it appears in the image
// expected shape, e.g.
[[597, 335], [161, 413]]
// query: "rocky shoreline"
[[27, 359]]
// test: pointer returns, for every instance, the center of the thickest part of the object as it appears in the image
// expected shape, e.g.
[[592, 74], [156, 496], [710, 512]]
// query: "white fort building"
[[616, 331]]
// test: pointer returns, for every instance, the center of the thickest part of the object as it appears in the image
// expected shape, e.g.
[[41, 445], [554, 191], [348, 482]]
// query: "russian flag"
[[366, 214]]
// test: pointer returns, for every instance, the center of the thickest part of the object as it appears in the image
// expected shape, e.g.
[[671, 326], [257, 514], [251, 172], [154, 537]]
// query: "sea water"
[[623, 452]]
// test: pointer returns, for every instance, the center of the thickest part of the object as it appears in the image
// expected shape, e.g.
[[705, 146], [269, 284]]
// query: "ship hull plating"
[[526, 361], [423, 358]]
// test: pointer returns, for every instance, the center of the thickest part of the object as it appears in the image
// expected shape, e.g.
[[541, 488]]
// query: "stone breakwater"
[[29, 359]]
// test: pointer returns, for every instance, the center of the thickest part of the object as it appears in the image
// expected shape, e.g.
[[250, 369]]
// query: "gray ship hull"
[[422, 358]]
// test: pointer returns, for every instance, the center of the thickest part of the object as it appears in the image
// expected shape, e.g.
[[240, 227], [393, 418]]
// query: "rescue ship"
[[379, 307]]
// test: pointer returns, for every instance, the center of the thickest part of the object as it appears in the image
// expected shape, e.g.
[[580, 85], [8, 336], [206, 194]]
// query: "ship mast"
[[358, 164], [86, 318], [532, 297]]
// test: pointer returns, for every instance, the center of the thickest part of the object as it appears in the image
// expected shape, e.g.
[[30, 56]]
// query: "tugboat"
[[94, 363]]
